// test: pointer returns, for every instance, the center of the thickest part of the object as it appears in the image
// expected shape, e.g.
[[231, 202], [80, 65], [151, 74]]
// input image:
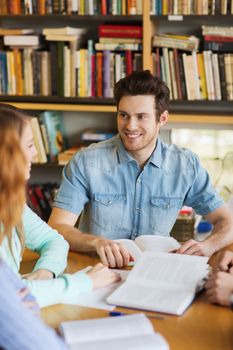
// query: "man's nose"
[[132, 123]]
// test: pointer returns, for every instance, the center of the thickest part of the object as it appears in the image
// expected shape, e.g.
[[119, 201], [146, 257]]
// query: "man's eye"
[[123, 115]]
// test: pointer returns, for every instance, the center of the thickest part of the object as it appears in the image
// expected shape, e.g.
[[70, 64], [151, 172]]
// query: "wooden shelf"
[[211, 112], [196, 18], [76, 17]]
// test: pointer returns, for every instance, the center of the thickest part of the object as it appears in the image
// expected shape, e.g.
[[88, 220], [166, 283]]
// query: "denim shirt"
[[117, 199]]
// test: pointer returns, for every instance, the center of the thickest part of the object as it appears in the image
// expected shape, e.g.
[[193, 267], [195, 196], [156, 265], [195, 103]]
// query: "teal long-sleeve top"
[[53, 250]]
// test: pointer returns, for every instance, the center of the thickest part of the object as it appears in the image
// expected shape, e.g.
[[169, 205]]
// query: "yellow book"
[[83, 69], [202, 76], [123, 7]]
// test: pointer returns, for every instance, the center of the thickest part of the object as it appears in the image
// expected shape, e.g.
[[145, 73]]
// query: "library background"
[[59, 60]]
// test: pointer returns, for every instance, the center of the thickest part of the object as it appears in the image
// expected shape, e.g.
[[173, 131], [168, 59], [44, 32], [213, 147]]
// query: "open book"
[[129, 332], [162, 282], [149, 243]]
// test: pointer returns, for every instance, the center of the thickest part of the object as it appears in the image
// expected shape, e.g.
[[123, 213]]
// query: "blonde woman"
[[35, 234]]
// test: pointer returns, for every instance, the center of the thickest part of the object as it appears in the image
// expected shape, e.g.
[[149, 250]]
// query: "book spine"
[[106, 73], [222, 76], [99, 64]]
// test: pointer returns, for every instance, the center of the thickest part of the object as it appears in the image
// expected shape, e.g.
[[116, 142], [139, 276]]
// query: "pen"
[[118, 313]]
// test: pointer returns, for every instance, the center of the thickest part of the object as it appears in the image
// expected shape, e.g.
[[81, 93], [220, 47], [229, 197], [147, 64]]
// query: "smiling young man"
[[134, 184]]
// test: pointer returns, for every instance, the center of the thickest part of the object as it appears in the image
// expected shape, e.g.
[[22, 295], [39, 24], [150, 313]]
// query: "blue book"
[[55, 131]]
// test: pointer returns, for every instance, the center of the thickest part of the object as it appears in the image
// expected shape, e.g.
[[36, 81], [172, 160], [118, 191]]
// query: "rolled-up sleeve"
[[73, 193], [64, 289], [202, 196]]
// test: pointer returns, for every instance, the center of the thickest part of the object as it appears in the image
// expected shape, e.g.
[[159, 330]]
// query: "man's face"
[[137, 126]]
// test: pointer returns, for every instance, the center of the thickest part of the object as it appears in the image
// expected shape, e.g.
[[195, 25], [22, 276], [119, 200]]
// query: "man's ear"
[[164, 118]]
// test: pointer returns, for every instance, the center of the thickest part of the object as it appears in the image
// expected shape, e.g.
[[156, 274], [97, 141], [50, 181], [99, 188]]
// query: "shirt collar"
[[156, 157], [124, 156]]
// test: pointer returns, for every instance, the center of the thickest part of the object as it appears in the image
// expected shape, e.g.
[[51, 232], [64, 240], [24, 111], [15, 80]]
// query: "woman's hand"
[[102, 276]]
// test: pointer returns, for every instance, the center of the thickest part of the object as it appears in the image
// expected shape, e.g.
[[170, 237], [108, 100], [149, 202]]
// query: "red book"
[[218, 38], [128, 62], [119, 31], [99, 66], [103, 7]]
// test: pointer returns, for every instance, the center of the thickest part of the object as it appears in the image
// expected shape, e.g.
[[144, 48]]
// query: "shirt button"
[[137, 208], [139, 180], [167, 206], [109, 202]]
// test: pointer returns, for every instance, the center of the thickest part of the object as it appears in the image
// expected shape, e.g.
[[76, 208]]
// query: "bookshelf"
[[211, 112], [100, 111]]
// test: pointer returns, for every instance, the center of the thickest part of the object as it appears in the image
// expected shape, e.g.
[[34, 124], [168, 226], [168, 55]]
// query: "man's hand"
[[225, 262], [101, 276], [40, 274], [219, 287], [112, 254], [192, 247]]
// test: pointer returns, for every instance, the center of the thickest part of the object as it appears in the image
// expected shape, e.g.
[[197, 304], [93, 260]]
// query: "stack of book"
[[65, 156], [181, 42], [63, 43], [218, 39], [119, 53]]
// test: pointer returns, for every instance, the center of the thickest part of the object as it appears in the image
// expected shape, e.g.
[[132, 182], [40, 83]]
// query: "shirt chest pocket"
[[163, 213], [108, 212]]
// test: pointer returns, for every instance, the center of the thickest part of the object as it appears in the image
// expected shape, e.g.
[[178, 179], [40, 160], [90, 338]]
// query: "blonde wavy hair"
[[12, 173]]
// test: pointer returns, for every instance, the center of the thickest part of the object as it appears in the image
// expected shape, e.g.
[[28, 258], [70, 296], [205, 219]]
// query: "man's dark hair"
[[144, 83]]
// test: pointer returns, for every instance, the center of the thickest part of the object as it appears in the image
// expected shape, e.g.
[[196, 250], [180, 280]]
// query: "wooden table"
[[202, 327]]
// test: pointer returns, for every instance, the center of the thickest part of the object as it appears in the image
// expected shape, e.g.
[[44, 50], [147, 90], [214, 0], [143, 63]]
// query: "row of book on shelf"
[[69, 7], [192, 7], [50, 139], [195, 75], [64, 70]]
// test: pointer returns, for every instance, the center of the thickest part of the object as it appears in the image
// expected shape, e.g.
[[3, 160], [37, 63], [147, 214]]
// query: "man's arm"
[[111, 254], [221, 237]]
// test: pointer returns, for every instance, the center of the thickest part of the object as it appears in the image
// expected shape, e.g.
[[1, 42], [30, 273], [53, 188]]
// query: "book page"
[[160, 298], [162, 282], [170, 269], [105, 328], [157, 243], [146, 342]]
